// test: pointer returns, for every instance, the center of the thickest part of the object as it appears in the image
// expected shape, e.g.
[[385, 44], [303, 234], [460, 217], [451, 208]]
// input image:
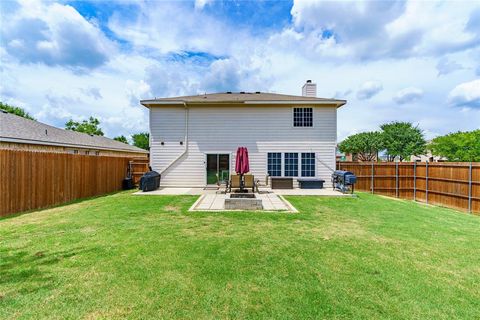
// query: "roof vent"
[[46, 132]]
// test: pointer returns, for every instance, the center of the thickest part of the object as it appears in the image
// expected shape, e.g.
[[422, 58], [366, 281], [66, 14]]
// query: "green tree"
[[365, 145], [121, 139], [16, 111], [141, 140], [90, 126], [458, 146], [402, 140]]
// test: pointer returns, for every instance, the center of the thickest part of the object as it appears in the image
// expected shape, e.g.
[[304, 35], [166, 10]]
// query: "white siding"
[[224, 129]]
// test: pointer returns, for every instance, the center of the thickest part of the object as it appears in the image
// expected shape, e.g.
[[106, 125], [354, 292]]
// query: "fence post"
[[470, 188], [372, 181], [396, 179], [426, 181], [415, 181]]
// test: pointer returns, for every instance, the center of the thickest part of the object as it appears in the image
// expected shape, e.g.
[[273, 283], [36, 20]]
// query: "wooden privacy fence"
[[450, 184], [31, 180]]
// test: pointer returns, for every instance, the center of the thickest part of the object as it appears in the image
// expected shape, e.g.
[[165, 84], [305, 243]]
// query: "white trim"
[[229, 153], [336, 103], [266, 163], [298, 165], [296, 102], [150, 138], [282, 164], [293, 118], [146, 103], [314, 165]]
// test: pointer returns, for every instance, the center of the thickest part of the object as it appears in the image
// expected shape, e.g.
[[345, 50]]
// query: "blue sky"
[[392, 60]]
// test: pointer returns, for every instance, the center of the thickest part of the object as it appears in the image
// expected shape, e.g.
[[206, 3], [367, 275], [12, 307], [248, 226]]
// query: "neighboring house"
[[352, 157], [193, 139], [341, 156], [427, 157], [18, 133]]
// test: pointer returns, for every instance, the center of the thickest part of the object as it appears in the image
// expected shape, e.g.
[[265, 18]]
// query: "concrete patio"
[[215, 202]]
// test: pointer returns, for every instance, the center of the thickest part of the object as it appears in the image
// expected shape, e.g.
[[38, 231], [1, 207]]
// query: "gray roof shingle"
[[17, 129], [242, 97]]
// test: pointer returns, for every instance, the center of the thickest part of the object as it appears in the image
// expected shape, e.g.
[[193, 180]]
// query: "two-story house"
[[193, 139]]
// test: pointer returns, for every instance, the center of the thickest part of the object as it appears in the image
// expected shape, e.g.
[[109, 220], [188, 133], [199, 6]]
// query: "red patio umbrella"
[[242, 165]]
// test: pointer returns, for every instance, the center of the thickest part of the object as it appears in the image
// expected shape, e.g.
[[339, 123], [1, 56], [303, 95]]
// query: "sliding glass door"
[[218, 168]]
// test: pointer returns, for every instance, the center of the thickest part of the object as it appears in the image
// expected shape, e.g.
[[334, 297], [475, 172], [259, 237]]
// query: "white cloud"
[[369, 89], [466, 94], [54, 34], [200, 4], [408, 95], [369, 30], [176, 27], [173, 48], [446, 66], [92, 92]]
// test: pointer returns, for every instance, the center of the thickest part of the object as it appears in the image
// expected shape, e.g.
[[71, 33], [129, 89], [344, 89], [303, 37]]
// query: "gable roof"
[[20, 130], [243, 98]]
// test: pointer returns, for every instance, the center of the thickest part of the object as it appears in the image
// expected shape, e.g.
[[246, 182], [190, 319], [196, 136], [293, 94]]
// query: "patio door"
[[218, 168]]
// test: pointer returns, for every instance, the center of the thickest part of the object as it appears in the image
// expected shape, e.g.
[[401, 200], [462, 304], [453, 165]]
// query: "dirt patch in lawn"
[[171, 208], [88, 229], [107, 314]]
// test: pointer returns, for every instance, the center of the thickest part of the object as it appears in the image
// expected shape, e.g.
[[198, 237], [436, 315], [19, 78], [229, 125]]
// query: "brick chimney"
[[309, 89]]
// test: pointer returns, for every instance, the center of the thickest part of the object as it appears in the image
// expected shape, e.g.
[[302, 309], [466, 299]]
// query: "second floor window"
[[303, 117]]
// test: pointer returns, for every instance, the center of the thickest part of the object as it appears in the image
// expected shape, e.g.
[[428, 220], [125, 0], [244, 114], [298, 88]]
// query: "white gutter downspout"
[[185, 141]]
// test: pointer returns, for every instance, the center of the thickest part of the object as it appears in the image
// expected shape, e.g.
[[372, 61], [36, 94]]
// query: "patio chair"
[[250, 182], [234, 182]]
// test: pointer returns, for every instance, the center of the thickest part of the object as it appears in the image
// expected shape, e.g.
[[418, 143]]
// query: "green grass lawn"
[[124, 256]]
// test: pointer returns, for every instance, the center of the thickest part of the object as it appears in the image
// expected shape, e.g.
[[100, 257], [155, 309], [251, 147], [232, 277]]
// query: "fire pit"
[[243, 201], [242, 196]]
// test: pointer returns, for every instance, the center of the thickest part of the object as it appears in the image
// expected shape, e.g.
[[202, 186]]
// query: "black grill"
[[343, 180], [150, 181]]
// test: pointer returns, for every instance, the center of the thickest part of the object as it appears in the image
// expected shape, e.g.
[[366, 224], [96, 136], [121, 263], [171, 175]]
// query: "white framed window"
[[303, 117], [291, 164], [308, 164], [274, 163]]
